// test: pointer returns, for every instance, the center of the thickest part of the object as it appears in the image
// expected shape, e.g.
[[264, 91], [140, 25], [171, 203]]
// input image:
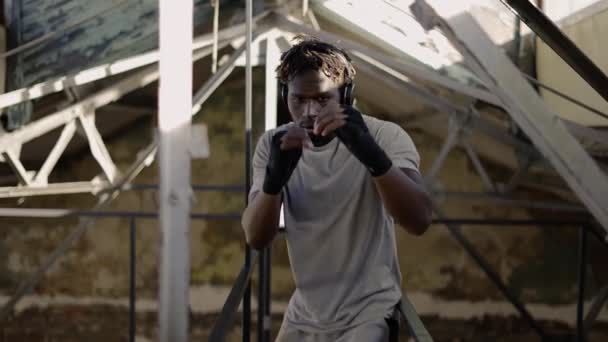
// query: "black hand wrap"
[[280, 165], [355, 135]]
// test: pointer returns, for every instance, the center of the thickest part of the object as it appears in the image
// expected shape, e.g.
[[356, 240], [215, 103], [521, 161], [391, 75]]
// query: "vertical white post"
[[174, 119], [273, 53], [216, 19], [248, 143]]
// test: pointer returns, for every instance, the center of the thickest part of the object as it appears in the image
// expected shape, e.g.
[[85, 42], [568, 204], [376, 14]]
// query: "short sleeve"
[[398, 146], [259, 162]]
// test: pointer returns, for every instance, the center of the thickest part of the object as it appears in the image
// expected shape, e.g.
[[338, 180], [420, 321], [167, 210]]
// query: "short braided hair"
[[311, 53]]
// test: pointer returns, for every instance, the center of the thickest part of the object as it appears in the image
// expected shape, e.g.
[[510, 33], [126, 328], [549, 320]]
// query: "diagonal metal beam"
[[519, 174], [17, 167], [98, 147], [456, 232], [487, 182], [69, 114], [596, 308], [62, 117], [216, 80], [114, 68], [417, 328], [428, 75], [399, 80], [545, 130], [93, 187], [410, 69], [28, 284], [144, 159], [66, 135], [99, 99], [448, 144]]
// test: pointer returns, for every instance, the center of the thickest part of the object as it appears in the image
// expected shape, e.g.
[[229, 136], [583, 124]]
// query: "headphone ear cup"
[[347, 94], [284, 92]]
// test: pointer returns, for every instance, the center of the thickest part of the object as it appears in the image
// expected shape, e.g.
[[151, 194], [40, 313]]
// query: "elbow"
[[422, 224], [256, 240], [416, 227], [256, 243], [419, 223]]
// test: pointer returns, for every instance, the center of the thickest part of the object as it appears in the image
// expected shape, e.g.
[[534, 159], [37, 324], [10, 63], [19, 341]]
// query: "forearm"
[[261, 219], [407, 201]]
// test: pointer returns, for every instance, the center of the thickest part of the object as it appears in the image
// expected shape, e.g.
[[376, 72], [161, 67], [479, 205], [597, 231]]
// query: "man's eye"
[[323, 99]]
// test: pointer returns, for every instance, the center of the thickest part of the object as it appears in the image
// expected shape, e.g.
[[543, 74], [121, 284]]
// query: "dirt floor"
[[110, 323]]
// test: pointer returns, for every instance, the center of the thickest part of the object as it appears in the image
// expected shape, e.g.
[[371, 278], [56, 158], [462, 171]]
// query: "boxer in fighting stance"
[[344, 179]]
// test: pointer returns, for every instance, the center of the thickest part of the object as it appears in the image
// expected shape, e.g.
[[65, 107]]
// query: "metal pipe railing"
[[224, 322]]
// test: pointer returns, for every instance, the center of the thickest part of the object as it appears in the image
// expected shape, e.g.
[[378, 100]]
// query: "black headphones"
[[346, 93], [346, 90]]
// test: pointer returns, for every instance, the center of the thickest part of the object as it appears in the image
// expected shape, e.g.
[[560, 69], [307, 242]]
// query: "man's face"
[[311, 94]]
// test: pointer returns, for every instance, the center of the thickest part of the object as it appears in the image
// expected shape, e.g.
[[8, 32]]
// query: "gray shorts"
[[373, 331]]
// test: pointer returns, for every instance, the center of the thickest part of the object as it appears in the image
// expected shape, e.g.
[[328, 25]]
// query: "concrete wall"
[[587, 28]]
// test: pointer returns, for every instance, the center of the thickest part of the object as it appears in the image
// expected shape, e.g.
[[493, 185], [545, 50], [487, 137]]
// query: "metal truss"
[[546, 131], [80, 116], [420, 73], [108, 190], [145, 158]]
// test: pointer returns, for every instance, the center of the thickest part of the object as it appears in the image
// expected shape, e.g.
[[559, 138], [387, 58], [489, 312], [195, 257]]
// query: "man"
[[344, 179]]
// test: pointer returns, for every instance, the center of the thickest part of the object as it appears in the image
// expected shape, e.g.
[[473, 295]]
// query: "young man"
[[344, 179]]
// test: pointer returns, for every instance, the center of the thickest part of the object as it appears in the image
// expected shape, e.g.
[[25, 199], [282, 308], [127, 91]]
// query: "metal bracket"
[[199, 142]]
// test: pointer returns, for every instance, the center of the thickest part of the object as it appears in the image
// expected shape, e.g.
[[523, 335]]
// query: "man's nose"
[[311, 109]]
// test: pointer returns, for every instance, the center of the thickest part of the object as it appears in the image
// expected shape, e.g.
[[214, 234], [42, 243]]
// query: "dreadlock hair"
[[311, 53]]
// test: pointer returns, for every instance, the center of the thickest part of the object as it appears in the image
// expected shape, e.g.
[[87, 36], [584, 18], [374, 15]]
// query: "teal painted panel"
[[127, 29]]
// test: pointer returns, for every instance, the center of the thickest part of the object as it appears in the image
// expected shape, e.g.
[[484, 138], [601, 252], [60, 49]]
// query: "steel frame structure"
[[480, 54], [553, 140]]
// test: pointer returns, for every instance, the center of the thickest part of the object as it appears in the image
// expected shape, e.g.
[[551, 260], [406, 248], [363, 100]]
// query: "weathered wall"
[[586, 32]]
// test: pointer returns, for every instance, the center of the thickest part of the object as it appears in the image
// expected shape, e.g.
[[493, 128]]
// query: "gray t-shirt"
[[340, 238]]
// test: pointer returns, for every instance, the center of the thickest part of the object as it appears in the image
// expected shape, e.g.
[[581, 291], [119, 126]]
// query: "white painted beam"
[[111, 69], [174, 123], [92, 187], [98, 147], [64, 139], [15, 164]]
